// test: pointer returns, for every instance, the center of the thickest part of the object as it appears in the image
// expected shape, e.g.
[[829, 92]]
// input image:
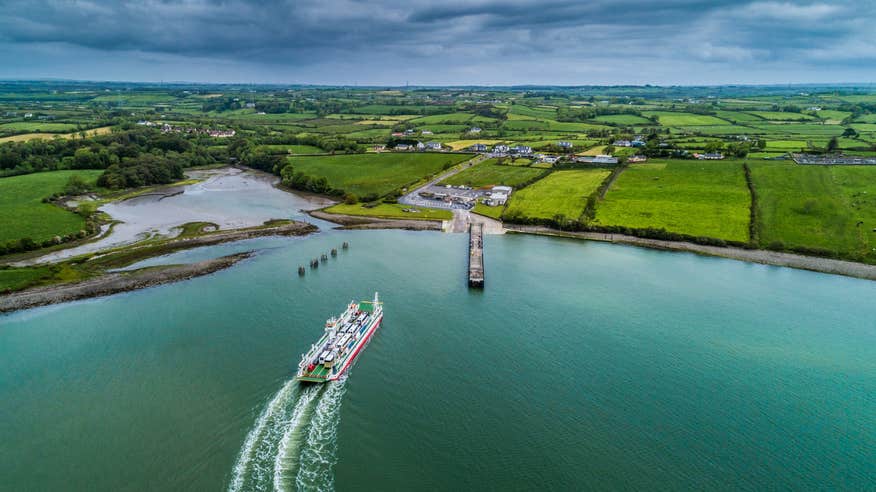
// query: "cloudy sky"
[[448, 42]]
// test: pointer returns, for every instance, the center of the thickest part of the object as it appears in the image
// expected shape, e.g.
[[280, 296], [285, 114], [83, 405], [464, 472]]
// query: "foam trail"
[[268, 417], [286, 455], [319, 453]]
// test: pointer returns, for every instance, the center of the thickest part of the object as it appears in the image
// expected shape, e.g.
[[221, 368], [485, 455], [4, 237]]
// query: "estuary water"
[[580, 366], [228, 197]]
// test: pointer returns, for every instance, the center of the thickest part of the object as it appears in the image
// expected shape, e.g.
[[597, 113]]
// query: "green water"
[[580, 366]]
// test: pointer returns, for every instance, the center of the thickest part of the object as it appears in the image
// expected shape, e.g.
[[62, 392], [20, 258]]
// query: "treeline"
[[578, 115], [133, 156], [328, 143]]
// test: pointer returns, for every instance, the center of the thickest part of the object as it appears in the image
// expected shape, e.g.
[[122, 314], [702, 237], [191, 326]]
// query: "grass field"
[[782, 116], [24, 137], [36, 127], [374, 174], [443, 118], [391, 211], [696, 198], [292, 149], [24, 214], [488, 211], [817, 207], [560, 193], [624, 119], [464, 144], [490, 172], [668, 118]]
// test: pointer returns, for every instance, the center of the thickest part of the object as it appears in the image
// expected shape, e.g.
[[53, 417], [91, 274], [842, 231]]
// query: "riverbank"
[[365, 222], [766, 257], [88, 267], [114, 283]]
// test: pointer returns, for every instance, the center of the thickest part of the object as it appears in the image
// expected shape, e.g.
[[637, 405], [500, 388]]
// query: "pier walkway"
[[476, 255]]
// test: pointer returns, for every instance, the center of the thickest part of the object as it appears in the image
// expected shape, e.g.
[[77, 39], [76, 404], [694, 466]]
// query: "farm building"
[[521, 149], [637, 158], [710, 156], [474, 129], [564, 144], [596, 159], [501, 148], [827, 160], [433, 145], [479, 147]]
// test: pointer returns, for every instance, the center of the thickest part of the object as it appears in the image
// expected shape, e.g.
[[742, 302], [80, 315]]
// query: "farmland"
[[817, 207], [562, 193], [24, 214], [374, 174], [491, 172], [326, 135], [693, 198], [685, 119]]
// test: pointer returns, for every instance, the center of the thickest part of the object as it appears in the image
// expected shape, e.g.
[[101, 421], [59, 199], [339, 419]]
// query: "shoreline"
[[115, 283], [762, 256], [359, 222]]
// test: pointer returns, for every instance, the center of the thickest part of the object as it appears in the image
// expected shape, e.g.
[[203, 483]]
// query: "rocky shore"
[[113, 283], [363, 222]]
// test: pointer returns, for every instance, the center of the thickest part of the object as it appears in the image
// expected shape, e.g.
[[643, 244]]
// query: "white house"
[[478, 147], [522, 149], [501, 149], [475, 129], [433, 145]]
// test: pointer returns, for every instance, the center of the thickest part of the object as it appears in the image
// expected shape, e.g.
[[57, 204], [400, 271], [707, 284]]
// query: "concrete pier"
[[476, 255]]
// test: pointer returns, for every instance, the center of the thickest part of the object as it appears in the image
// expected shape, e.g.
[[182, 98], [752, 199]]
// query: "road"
[[461, 217], [413, 197]]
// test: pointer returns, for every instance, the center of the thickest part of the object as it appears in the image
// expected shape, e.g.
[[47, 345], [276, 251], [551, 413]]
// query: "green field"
[[36, 126], [782, 116], [561, 193], [668, 118], [292, 149], [391, 211], [688, 197], [490, 172], [374, 174], [624, 119], [488, 211], [449, 118], [23, 213], [818, 207]]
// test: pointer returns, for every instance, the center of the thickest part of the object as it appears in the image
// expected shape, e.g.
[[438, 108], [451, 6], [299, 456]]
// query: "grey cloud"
[[472, 39]]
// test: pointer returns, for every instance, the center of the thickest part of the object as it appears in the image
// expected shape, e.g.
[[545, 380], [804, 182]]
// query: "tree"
[[75, 185], [850, 132], [712, 147], [833, 145]]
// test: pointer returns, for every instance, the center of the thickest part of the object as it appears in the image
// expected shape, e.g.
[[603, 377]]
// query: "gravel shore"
[[813, 263], [363, 222], [113, 283]]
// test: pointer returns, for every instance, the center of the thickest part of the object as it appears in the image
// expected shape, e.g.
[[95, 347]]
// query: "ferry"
[[345, 336]]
